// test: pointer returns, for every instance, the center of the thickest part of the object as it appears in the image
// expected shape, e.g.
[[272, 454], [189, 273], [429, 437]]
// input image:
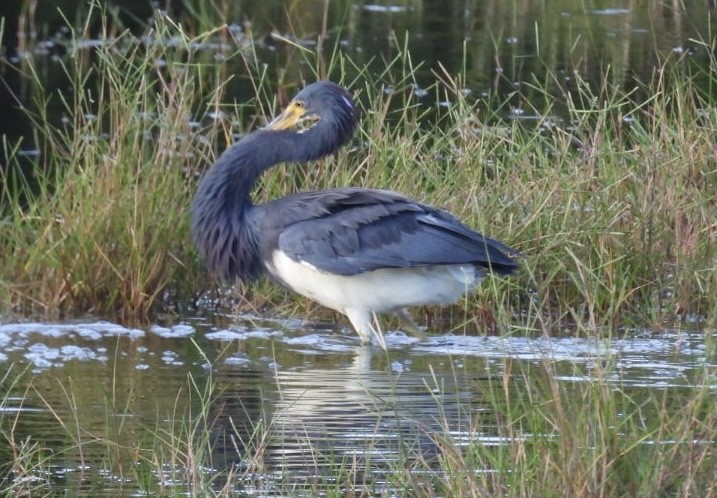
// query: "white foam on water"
[[94, 330], [44, 356], [175, 331], [242, 334]]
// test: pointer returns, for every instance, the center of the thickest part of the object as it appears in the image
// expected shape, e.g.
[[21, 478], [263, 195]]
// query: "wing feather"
[[350, 231]]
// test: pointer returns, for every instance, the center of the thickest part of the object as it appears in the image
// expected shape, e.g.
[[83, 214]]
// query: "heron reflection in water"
[[358, 251]]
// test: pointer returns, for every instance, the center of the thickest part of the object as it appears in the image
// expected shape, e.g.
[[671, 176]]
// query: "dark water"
[[288, 403]]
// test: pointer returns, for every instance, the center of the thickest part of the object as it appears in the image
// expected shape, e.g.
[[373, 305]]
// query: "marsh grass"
[[611, 205], [105, 230]]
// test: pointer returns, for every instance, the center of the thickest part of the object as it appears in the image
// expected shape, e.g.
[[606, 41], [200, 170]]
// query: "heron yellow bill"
[[295, 117]]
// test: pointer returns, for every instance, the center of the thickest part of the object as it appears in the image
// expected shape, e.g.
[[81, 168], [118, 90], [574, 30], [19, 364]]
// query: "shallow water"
[[316, 396]]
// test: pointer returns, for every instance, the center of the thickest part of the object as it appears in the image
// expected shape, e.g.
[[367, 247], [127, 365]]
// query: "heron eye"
[[299, 104]]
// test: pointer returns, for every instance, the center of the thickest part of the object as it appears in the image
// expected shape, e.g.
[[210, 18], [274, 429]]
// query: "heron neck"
[[239, 167], [236, 172]]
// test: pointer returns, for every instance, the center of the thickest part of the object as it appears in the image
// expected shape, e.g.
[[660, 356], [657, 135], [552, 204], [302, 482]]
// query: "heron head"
[[321, 109]]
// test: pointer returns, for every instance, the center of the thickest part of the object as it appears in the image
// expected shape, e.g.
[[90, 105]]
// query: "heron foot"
[[411, 327], [361, 320]]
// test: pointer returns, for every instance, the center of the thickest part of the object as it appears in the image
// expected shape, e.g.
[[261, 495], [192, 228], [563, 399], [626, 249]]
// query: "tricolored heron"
[[355, 250]]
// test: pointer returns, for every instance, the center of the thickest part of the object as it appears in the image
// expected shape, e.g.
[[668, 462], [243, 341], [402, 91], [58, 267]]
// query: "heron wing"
[[351, 231]]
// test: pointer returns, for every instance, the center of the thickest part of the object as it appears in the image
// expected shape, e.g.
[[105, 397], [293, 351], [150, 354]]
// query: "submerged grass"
[[590, 438], [533, 433]]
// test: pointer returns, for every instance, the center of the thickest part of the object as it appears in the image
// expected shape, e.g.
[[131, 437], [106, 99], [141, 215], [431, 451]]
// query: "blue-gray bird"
[[358, 251]]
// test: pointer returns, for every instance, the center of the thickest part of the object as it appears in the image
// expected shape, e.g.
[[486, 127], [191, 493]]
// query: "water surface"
[[313, 393]]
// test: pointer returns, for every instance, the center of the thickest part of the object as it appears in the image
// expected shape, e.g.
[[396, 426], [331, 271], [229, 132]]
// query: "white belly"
[[379, 291]]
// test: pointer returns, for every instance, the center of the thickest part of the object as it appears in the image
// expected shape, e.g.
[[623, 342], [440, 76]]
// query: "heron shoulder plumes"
[[358, 251]]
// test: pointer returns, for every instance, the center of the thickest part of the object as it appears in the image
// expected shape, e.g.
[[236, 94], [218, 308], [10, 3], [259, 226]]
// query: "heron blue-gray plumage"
[[358, 251]]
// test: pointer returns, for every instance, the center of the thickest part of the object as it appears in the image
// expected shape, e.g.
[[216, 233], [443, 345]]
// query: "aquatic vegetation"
[[607, 197], [607, 190], [104, 229]]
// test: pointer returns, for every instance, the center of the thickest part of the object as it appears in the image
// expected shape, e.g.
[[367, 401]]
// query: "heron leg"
[[411, 327], [361, 321], [377, 332]]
